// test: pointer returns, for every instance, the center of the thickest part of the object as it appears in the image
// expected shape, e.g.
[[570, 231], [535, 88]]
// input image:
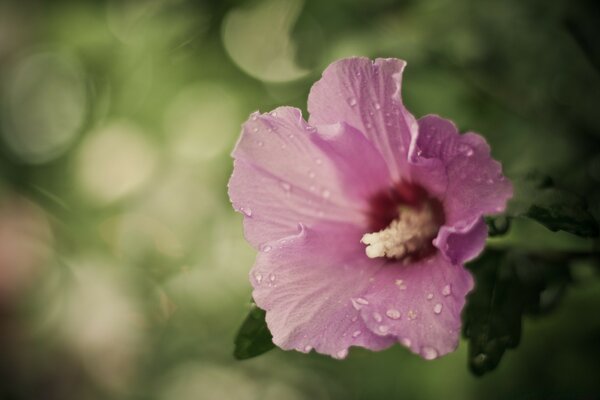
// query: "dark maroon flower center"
[[402, 220]]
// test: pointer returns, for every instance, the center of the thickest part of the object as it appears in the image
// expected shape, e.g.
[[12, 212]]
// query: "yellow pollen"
[[408, 233]]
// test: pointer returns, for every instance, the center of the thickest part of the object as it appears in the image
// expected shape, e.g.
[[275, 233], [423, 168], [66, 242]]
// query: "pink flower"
[[364, 216]]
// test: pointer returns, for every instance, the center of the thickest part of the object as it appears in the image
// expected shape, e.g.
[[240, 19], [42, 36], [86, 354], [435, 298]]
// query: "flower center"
[[404, 220]]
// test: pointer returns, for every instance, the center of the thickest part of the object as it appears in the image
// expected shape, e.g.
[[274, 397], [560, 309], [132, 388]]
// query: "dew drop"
[[258, 277], [360, 300], [342, 353], [412, 314], [393, 314], [267, 248], [352, 101], [274, 113], [272, 277], [307, 348], [430, 296], [466, 150], [326, 194], [355, 318], [383, 329], [247, 211], [259, 143], [377, 106], [400, 283], [438, 308], [405, 342], [356, 334], [429, 353], [255, 129], [286, 186], [318, 161], [447, 290], [254, 117], [377, 317]]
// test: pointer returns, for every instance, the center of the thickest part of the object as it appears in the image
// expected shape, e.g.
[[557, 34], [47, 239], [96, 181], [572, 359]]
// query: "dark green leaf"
[[537, 198], [253, 337], [508, 285]]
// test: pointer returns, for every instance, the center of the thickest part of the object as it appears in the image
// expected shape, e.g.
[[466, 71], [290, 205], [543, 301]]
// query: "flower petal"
[[361, 168], [366, 95], [462, 242], [475, 184], [310, 284], [281, 178], [419, 304]]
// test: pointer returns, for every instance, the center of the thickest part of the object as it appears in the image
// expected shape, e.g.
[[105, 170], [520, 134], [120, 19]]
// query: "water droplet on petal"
[[360, 300], [247, 211], [393, 314], [259, 143], [255, 129], [466, 150], [430, 296], [356, 334], [342, 353], [412, 314], [272, 277], [377, 106], [377, 317], [351, 101], [438, 308], [429, 353], [307, 348], [405, 342], [286, 186], [318, 161], [355, 318], [266, 248], [258, 277], [400, 284], [254, 117], [383, 329], [447, 290]]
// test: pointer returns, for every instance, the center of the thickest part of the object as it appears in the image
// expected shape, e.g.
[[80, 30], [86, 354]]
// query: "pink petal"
[[281, 178], [366, 95], [310, 284], [419, 304], [462, 242], [361, 168], [475, 183], [460, 171]]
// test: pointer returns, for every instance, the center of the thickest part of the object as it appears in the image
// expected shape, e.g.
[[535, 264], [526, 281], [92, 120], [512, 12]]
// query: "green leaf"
[[253, 337], [537, 198], [508, 285]]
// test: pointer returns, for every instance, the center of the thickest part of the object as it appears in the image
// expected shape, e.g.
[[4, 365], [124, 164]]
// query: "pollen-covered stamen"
[[411, 232]]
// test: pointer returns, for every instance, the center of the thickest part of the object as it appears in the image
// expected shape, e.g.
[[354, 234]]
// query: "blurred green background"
[[123, 269]]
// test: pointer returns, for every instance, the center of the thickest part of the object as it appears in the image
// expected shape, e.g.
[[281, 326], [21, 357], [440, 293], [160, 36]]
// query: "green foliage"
[[253, 337], [508, 286]]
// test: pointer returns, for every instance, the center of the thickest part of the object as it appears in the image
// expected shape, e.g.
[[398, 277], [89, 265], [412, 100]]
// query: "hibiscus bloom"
[[363, 216]]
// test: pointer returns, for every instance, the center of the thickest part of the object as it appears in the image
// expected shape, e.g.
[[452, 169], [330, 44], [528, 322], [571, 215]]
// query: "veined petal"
[[460, 171], [310, 285], [282, 178], [419, 304], [366, 95], [475, 183]]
